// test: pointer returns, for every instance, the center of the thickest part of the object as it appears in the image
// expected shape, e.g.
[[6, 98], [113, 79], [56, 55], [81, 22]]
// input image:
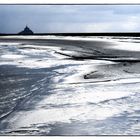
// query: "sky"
[[70, 18]]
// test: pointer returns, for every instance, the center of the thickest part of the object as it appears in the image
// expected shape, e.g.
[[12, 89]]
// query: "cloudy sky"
[[70, 18]]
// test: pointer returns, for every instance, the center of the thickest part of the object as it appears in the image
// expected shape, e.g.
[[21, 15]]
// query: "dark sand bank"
[[86, 49]]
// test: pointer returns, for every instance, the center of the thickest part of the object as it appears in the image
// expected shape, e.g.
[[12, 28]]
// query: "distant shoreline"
[[133, 34]]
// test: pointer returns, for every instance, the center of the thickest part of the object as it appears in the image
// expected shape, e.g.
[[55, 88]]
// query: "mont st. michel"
[[26, 31]]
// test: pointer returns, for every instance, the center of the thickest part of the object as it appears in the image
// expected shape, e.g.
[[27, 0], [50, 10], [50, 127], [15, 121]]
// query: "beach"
[[65, 85]]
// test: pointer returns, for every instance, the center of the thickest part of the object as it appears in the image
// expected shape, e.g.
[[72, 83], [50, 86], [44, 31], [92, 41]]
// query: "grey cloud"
[[68, 18]]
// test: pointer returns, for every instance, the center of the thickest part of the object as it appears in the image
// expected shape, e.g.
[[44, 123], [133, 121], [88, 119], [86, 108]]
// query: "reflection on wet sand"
[[69, 86]]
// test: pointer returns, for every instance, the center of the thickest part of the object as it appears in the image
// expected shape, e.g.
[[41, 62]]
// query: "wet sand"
[[91, 49], [69, 86]]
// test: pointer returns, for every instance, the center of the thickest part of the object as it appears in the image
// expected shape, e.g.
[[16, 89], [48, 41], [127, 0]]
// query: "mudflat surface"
[[56, 85]]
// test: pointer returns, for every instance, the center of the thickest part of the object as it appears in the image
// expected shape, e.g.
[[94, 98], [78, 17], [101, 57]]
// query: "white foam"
[[12, 56], [66, 114], [8, 43], [83, 95], [134, 47]]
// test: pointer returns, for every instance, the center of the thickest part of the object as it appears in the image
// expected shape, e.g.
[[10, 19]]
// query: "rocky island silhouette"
[[26, 31]]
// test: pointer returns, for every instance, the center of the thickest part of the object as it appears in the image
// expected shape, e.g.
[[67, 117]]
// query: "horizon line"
[[79, 33]]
